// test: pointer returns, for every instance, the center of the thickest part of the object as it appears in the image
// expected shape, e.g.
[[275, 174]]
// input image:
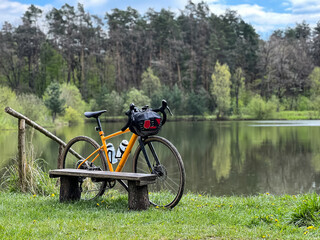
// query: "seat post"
[[99, 128]]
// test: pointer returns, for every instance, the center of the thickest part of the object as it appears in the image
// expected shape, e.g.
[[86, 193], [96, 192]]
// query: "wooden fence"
[[22, 121]]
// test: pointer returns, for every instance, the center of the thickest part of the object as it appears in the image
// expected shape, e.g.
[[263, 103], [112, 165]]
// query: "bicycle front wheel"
[[76, 151], [166, 162]]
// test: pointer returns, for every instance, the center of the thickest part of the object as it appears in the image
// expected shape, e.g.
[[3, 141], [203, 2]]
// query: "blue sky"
[[265, 16]]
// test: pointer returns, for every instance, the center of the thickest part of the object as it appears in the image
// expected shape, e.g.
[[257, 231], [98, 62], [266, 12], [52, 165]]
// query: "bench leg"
[[69, 189], [138, 196]]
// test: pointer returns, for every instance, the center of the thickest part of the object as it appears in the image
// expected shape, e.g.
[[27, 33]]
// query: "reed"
[[36, 181]]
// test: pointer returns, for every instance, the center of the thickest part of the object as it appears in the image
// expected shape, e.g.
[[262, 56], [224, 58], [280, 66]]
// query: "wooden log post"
[[69, 189], [60, 160], [138, 196], [22, 154]]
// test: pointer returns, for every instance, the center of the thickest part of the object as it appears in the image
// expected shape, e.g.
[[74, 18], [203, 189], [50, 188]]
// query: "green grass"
[[284, 115], [25, 216], [297, 115]]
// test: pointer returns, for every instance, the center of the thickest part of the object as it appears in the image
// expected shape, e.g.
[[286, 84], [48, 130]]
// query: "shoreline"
[[279, 116]]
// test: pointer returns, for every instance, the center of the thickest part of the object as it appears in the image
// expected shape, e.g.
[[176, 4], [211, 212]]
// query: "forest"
[[201, 63]]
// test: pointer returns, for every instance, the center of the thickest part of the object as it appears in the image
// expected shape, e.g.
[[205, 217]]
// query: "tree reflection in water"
[[221, 158]]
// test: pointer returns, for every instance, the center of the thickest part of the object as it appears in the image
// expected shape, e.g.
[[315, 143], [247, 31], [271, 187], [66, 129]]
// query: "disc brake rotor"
[[161, 172]]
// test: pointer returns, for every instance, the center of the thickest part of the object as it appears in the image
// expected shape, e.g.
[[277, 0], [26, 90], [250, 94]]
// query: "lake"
[[221, 158]]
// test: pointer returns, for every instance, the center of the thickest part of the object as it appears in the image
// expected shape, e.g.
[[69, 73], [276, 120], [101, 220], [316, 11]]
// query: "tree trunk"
[[54, 116], [83, 83], [179, 75]]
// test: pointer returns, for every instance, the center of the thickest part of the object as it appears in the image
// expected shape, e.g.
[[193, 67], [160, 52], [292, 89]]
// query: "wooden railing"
[[22, 121]]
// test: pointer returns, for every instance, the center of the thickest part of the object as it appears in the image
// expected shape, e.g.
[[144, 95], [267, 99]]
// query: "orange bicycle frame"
[[125, 155]]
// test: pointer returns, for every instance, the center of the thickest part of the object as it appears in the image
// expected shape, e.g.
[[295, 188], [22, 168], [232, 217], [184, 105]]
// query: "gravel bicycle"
[[153, 154]]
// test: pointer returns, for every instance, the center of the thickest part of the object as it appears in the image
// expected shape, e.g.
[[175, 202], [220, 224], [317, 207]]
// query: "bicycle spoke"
[[87, 148], [174, 182], [167, 164]]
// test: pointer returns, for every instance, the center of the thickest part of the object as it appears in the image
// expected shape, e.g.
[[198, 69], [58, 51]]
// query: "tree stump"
[[138, 196], [69, 189]]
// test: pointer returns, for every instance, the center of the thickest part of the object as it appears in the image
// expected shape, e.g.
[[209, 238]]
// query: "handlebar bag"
[[145, 123]]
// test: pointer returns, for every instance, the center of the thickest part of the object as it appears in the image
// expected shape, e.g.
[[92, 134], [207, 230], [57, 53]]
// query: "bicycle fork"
[[152, 169]]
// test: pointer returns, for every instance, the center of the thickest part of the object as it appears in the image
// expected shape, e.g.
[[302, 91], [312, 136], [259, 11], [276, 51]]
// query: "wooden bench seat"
[[137, 184]]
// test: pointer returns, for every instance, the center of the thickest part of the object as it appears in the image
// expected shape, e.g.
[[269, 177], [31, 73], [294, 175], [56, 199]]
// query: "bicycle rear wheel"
[[83, 146], [166, 162]]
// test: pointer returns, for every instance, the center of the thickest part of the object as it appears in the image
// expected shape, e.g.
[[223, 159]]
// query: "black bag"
[[145, 123]]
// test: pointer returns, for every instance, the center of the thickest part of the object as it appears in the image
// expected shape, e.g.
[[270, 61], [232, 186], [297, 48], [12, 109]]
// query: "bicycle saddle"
[[94, 114]]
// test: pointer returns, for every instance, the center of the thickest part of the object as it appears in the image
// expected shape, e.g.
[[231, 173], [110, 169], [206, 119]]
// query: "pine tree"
[[52, 99]]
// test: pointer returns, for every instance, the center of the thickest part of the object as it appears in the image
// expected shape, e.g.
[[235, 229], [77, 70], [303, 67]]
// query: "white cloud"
[[304, 6], [265, 22], [11, 11], [93, 3]]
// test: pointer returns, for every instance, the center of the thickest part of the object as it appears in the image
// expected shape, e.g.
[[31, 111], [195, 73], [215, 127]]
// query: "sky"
[[265, 16]]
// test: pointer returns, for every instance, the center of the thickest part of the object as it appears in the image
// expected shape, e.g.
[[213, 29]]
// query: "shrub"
[[114, 103], [316, 104], [197, 102], [259, 109], [174, 97], [137, 97], [72, 98], [275, 101], [33, 107], [72, 116], [304, 104]]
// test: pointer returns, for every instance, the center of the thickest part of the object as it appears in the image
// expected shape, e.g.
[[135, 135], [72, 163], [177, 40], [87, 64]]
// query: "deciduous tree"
[[238, 86], [150, 83], [220, 88]]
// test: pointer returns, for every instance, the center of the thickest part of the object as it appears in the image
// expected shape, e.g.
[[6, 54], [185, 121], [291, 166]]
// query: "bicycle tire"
[[84, 146], [169, 186]]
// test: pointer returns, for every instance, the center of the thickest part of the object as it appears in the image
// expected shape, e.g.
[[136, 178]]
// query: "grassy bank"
[[283, 115], [297, 115], [196, 217]]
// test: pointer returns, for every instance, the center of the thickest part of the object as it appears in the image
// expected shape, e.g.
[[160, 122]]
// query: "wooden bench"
[[137, 184]]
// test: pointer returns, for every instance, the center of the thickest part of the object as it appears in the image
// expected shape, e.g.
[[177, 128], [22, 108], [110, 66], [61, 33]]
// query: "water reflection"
[[221, 158], [284, 123], [226, 158]]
